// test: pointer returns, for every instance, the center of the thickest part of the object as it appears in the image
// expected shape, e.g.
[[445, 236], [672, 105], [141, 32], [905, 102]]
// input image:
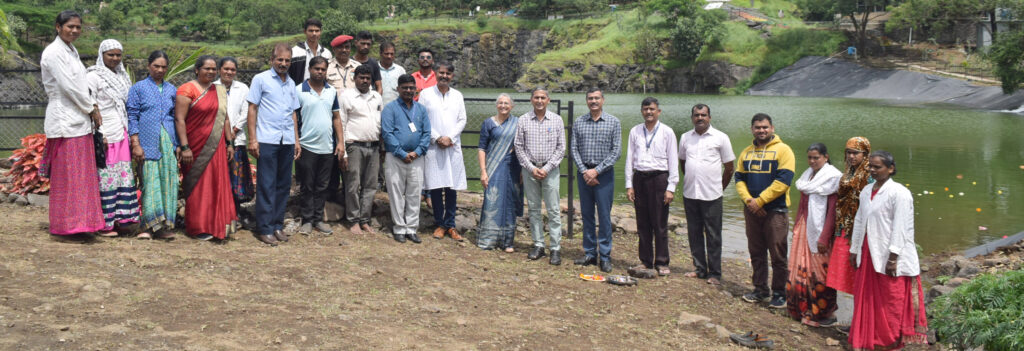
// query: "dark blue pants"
[[443, 201], [273, 181], [600, 197]]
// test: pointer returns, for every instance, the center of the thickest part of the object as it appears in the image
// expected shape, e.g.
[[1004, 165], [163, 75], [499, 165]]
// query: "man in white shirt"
[[706, 161], [360, 119], [305, 51], [389, 72], [651, 177], [445, 171]]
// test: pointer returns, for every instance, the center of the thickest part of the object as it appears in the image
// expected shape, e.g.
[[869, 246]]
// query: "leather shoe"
[[556, 258], [585, 261], [439, 233], [267, 239], [414, 238], [280, 236], [399, 238], [455, 234], [536, 253], [606, 266]]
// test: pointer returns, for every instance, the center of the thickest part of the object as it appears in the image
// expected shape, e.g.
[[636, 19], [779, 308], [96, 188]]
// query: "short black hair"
[[385, 45], [316, 60], [445, 64], [761, 117], [158, 54], [65, 16], [821, 149], [406, 78], [202, 61], [364, 35], [700, 107], [592, 90], [650, 100], [311, 22], [362, 69], [227, 59], [422, 50], [886, 158]]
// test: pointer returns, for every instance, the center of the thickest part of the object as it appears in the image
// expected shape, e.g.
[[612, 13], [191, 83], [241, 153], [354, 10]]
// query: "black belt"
[[590, 165], [540, 164], [366, 144], [649, 173]]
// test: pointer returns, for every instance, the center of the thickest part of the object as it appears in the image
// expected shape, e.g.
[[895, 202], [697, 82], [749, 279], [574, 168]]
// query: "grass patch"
[[740, 45], [785, 47]]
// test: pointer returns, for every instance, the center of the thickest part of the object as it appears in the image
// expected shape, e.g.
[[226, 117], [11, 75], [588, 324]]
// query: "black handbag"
[[101, 149]]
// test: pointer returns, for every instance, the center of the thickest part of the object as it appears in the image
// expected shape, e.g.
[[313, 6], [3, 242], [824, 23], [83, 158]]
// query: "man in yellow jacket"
[[763, 178]]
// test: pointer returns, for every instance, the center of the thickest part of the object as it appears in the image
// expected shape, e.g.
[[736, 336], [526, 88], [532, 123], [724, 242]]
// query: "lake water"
[[976, 153]]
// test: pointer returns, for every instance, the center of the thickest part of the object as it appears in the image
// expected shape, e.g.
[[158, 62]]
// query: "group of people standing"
[[336, 115]]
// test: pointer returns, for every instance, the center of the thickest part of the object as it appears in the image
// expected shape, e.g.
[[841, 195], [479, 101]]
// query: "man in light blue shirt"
[[405, 130], [320, 118], [272, 135]]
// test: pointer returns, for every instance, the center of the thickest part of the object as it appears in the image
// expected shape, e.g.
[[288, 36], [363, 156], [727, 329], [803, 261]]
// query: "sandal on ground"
[[144, 236], [714, 281], [663, 271], [107, 234], [695, 274], [510, 250], [164, 235], [204, 237], [752, 340], [640, 271]]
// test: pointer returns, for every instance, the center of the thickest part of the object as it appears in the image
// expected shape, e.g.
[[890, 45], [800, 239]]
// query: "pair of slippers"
[[752, 340]]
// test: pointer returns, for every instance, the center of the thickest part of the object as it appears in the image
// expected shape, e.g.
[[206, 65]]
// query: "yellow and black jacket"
[[765, 173]]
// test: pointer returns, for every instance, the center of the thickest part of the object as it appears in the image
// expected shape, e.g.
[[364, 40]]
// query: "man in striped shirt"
[[540, 146], [596, 145]]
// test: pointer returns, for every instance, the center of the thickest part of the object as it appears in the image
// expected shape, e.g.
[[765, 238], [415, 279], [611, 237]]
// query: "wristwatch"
[[184, 147]]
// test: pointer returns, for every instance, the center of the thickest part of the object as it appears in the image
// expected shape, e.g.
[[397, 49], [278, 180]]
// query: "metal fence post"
[[571, 211]]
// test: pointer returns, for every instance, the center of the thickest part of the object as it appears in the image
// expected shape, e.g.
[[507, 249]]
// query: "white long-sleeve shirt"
[[63, 74], [652, 150], [444, 168], [115, 119], [888, 223], [238, 109]]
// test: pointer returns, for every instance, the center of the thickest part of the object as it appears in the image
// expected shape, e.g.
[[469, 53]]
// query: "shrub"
[[25, 170], [987, 311]]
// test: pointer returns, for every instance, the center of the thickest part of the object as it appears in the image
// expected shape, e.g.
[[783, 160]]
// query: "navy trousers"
[[273, 181], [597, 242], [443, 202]]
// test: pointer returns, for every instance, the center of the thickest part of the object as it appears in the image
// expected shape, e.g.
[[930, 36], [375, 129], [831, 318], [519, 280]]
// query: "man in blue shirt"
[[320, 118], [272, 140], [405, 130]]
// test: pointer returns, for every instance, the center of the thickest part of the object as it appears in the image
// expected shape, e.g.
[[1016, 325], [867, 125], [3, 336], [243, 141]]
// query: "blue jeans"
[[443, 202], [273, 181], [600, 196]]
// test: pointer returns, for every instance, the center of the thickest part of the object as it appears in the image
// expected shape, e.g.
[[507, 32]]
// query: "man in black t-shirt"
[[364, 40]]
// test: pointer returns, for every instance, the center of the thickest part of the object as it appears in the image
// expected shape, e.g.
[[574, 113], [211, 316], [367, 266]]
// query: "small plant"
[[25, 169], [942, 279], [987, 311]]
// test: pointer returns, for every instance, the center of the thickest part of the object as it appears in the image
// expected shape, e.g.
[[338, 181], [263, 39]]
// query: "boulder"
[[21, 200], [936, 291], [691, 319], [38, 200], [628, 225], [955, 282]]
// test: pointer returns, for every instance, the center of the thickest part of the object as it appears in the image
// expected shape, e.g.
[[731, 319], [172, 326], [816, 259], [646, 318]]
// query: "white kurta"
[[63, 75], [238, 109], [444, 168], [888, 223], [817, 189], [115, 119]]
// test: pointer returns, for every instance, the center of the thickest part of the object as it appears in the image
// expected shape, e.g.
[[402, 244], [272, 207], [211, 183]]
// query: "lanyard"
[[406, 112], [651, 140]]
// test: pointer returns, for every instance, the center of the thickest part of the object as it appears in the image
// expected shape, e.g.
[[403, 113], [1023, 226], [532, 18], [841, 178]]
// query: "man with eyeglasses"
[[425, 77]]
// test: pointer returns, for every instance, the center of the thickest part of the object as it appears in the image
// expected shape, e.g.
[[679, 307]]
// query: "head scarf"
[[115, 82], [850, 186]]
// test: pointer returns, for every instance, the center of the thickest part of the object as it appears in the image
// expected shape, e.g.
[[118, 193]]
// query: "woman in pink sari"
[[201, 120]]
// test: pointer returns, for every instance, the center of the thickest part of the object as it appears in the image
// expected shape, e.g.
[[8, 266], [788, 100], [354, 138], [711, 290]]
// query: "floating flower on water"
[[925, 192], [981, 227], [959, 176], [974, 183], [1000, 192], [978, 209], [946, 188], [961, 193], [950, 196]]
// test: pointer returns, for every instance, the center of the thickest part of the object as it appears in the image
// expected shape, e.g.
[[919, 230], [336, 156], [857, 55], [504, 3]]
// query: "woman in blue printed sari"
[[500, 176]]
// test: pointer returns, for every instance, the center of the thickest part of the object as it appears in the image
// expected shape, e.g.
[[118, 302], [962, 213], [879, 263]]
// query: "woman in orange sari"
[[201, 120]]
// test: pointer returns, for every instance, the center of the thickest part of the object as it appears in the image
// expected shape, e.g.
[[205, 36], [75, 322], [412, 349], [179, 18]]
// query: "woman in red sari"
[[201, 120], [888, 307]]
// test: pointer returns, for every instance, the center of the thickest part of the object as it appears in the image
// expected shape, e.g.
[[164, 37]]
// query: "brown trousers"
[[651, 217], [767, 236]]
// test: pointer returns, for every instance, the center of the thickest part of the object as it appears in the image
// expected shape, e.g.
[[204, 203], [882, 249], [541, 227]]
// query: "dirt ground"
[[368, 293]]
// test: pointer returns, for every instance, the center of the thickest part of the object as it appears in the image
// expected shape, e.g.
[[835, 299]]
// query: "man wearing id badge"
[[652, 173], [405, 130]]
